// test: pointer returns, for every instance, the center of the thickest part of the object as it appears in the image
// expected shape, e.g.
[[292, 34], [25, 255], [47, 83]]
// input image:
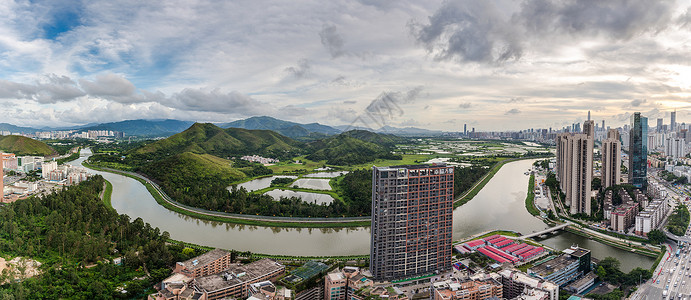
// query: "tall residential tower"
[[638, 151], [611, 159], [411, 220], [575, 168]]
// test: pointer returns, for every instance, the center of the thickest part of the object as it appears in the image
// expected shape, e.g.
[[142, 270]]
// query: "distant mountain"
[[20, 145], [17, 129], [406, 131], [409, 131], [344, 128], [386, 140], [206, 138], [145, 128], [289, 129]]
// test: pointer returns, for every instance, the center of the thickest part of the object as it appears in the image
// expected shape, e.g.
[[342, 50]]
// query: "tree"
[[656, 237], [601, 272]]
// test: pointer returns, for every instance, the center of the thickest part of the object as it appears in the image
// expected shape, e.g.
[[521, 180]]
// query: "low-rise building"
[[517, 284], [176, 287], [581, 284], [565, 268], [454, 289], [623, 217], [212, 262], [343, 284], [235, 281], [266, 290], [651, 217]]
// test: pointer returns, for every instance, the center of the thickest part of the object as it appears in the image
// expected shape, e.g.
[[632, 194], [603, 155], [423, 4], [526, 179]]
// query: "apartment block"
[[611, 159], [411, 220], [212, 262], [454, 289], [236, 280], [575, 170], [516, 284]]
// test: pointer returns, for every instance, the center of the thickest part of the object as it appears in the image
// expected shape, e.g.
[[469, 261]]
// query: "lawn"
[[291, 167]]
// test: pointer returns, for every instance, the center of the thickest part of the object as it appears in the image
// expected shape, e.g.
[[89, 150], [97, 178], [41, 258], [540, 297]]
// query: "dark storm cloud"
[[472, 31], [332, 40], [301, 69], [477, 31], [638, 102], [112, 87], [217, 101], [616, 19], [513, 111], [49, 89], [465, 105], [684, 21]]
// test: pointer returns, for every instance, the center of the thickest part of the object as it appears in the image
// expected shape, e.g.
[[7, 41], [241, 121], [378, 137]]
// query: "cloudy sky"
[[494, 65]]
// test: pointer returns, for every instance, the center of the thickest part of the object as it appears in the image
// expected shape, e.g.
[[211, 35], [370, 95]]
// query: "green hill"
[[20, 145], [382, 139], [188, 177], [345, 149], [205, 138]]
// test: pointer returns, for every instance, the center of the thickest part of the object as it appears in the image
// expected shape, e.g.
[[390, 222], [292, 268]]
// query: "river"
[[499, 205]]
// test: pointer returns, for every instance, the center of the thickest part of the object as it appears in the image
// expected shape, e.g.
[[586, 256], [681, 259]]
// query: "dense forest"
[[75, 237]]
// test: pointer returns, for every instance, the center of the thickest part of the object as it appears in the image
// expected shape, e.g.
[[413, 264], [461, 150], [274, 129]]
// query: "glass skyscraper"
[[638, 151]]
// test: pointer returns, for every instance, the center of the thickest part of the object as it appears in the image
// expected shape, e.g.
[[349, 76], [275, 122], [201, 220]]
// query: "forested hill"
[[353, 147], [206, 138], [20, 145], [71, 229]]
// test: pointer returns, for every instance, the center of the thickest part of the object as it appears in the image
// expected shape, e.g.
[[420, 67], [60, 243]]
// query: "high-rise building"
[[675, 147], [589, 128], [658, 128], [611, 159], [411, 220], [638, 151], [588, 116], [575, 170], [603, 125], [673, 121], [465, 129]]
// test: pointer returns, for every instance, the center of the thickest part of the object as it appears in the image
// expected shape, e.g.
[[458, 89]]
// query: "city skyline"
[[491, 65]]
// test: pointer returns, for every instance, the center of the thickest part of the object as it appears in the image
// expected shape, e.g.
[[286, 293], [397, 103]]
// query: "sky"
[[494, 65]]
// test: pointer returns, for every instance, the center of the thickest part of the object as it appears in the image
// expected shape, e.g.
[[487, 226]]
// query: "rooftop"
[[237, 274], [409, 167], [204, 259], [551, 266]]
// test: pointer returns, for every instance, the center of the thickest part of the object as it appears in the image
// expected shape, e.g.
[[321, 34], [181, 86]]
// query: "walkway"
[[558, 227]]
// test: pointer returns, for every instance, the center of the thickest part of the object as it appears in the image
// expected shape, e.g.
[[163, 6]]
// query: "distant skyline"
[[494, 65]]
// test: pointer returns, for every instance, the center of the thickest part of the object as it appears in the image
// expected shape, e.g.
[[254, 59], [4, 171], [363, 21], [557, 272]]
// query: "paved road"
[[672, 278]]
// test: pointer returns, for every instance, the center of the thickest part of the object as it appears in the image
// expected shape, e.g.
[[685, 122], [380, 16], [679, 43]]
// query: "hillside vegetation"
[[344, 149], [71, 229], [20, 145], [205, 138]]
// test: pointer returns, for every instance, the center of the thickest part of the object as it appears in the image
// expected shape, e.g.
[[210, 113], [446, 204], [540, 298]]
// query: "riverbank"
[[470, 194], [264, 221], [530, 197]]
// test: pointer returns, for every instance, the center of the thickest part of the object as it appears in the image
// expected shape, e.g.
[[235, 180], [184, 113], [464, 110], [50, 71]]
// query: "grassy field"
[[291, 167], [107, 193], [530, 197]]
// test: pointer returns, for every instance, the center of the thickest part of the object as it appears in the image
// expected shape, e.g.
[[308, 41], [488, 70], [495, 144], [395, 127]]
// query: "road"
[[672, 278]]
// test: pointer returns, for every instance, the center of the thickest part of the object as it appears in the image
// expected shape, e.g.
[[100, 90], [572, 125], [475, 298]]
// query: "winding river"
[[499, 205]]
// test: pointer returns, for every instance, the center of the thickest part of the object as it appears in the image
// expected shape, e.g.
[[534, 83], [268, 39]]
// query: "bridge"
[[677, 238], [548, 230]]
